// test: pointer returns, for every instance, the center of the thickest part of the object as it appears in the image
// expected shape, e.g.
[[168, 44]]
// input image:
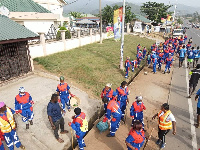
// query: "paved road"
[[184, 109]]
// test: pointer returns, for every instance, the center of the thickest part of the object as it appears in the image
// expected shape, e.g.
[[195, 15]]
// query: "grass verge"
[[95, 64]]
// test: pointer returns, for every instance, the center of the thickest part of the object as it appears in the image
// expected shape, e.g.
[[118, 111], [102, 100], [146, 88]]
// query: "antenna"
[[4, 11]]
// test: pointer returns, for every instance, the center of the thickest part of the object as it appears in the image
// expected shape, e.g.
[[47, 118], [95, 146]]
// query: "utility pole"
[[100, 21], [174, 11], [122, 38]]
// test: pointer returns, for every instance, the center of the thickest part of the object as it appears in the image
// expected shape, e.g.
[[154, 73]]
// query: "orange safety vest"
[[62, 87], [138, 138], [163, 124], [23, 99], [7, 126]]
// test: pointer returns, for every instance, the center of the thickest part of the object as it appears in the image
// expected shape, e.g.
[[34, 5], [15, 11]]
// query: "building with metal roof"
[[142, 19], [15, 57]]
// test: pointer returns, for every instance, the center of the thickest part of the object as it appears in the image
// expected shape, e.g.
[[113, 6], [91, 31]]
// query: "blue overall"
[[154, 60], [63, 89]]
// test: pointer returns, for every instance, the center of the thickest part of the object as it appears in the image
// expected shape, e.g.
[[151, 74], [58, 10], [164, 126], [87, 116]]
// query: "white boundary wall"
[[38, 50]]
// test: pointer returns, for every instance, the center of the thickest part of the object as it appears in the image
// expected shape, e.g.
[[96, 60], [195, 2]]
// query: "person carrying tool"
[[24, 106], [198, 109], [136, 137], [136, 111], [166, 121], [122, 98], [108, 93], [80, 125], [63, 90], [8, 127], [113, 110], [127, 66], [54, 112], [195, 75]]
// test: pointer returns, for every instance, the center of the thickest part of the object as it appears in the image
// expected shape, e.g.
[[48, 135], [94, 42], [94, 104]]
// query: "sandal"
[[60, 140]]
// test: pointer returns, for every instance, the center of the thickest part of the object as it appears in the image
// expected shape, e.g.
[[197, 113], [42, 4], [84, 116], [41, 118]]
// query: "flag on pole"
[[117, 18]]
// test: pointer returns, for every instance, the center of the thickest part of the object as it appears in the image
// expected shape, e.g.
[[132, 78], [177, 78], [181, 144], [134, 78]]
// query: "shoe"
[[31, 122], [169, 72], [189, 97], [197, 126], [164, 72], [158, 142], [109, 135], [162, 145], [27, 126]]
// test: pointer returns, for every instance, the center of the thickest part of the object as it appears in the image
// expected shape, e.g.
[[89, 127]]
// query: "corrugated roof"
[[23, 6], [10, 30], [142, 18]]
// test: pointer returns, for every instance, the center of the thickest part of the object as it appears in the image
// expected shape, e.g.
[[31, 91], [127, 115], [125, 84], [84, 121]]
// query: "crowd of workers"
[[115, 102]]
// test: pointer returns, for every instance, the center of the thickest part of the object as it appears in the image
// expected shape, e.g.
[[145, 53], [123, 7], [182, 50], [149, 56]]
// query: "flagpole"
[[122, 38]]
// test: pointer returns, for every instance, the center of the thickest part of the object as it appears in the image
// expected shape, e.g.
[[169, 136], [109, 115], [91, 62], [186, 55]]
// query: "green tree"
[[75, 14], [129, 16], [179, 20], [155, 11], [108, 12]]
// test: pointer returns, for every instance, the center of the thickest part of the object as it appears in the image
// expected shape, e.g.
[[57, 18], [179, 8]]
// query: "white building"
[[34, 16]]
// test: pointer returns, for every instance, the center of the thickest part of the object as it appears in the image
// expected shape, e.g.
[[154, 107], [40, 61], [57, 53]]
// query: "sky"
[[194, 3]]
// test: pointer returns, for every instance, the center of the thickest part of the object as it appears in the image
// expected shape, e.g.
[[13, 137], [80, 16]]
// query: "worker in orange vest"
[[136, 137], [166, 122]]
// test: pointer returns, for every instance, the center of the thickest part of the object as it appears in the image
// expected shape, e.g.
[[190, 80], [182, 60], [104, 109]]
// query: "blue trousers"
[[114, 125], [80, 140], [123, 108], [27, 115], [154, 67], [65, 100], [127, 70], [105, 108], [11, 138], [148, 62], [167, 67], [159, 64]]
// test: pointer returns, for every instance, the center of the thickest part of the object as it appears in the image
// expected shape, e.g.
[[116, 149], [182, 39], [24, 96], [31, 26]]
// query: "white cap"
[[109, 85], [139, 98], [21, 89]]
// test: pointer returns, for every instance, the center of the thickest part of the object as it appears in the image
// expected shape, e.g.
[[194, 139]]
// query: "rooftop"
[[10, 30], [23, 6]]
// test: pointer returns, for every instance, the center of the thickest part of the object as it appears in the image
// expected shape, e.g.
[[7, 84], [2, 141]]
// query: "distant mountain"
[[92, 7]]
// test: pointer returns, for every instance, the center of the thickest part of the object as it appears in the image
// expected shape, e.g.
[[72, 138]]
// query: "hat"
[[77, 111], [2, 104], [170, 53], [21, 89], [62, 78], [139, 98], [114, 93], [109, 85]]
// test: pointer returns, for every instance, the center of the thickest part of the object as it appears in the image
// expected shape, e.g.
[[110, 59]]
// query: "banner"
[[117, 19], [109, 31]]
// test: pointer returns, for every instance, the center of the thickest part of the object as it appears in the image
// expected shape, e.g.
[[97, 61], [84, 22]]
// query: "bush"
[[67, 34]]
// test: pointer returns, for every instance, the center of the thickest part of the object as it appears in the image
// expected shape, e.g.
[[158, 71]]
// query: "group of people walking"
[[115, 103]]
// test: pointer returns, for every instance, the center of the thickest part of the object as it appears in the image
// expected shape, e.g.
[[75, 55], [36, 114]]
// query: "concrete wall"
[[39, 50], [38, 25]]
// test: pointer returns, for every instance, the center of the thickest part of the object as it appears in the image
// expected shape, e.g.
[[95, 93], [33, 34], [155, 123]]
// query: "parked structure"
[[15, 57]]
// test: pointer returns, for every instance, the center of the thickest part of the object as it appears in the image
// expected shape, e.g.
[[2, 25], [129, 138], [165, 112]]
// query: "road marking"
[[193, 132]]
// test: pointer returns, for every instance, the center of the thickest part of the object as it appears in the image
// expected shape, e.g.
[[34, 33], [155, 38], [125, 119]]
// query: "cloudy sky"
[[194, 3]]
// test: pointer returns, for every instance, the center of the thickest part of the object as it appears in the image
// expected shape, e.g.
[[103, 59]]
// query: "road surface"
[[184, 109]]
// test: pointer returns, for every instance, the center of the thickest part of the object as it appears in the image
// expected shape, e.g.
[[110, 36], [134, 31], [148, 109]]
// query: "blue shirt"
[[190, 54], [54, 110], [182, 52], [198, 103]]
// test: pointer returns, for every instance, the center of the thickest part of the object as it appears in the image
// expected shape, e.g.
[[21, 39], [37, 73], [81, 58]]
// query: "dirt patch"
[[154, 88]]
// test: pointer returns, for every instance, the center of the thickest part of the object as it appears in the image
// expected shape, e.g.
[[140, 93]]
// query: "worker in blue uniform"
[[136, 137], [113, 110], [80, 125], [168, 62], [122, 98], [154, 61], [24, 106], [136, 111], [127, 66], [63, 90]]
